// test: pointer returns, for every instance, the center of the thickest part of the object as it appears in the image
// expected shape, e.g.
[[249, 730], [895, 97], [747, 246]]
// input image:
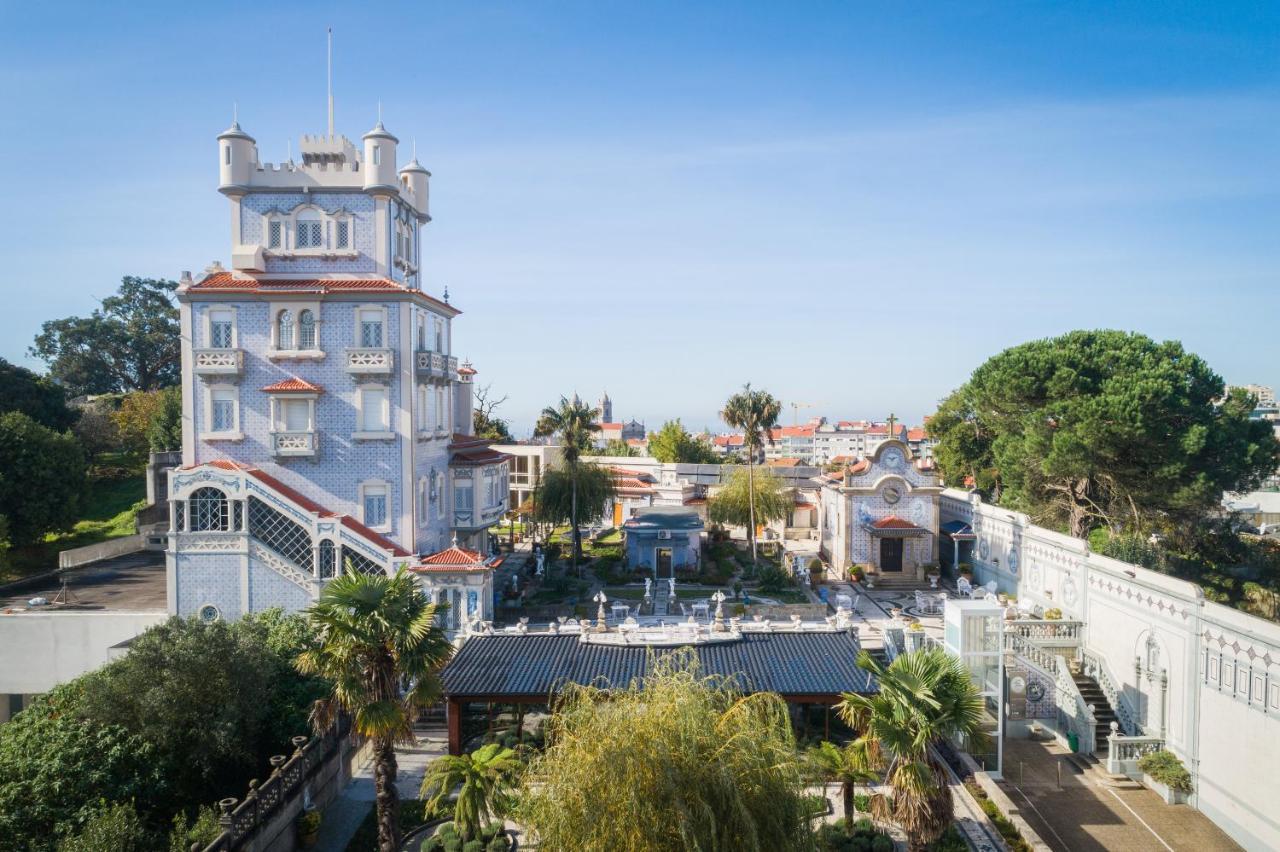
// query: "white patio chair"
[[964, 587], [921, 604]]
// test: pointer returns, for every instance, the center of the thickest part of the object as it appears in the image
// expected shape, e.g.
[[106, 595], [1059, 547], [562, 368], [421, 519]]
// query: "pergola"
[[804, 666]]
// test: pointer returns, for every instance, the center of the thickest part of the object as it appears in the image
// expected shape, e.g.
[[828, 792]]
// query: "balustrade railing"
[[435, 365], [218, 362], [1126, 751], [1040, 657], [1046, 631], [370, 361], [293, 443], [1096, 667]]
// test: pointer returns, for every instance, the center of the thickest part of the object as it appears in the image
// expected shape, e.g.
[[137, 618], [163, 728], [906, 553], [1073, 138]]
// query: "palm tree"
[[924, 697], [755, 412], [574, 421], [378, 643], [485, 780], [851, 765]]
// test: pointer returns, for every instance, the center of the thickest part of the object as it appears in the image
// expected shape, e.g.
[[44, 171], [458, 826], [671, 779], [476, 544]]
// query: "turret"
[[414, 179], [380, 159], [237, 154]]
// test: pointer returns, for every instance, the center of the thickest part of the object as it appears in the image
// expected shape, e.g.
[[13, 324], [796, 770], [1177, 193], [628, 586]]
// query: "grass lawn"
[[109, 513]]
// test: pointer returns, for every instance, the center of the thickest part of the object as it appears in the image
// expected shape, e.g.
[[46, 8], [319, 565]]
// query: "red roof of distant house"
[[229, 282], [466, 370], [728, 440], [893, 522], [793, 432], [611, 426], [861, 467], [696, 501], [852, 424], [293, 384], [787, 462], [637, 442], [309, 504], [842, 459], [805, 505], [451, 559], [916, 434]]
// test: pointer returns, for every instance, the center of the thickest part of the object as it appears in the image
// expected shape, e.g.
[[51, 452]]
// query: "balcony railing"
[[219, 362], [1125, 752], [370, 362], [1046, 631], [292, 444]]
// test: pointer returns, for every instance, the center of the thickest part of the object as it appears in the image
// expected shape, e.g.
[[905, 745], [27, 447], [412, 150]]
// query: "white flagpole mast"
[[330, 81]]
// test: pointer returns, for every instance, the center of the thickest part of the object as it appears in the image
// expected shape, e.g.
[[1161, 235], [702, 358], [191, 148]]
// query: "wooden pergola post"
[[453, 720]]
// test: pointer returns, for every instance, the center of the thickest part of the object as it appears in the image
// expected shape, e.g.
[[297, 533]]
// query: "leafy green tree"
[[55, 767], [204, 829], [164, 432], [96, 429], [619, 448], [129, 343], [676, 761], [35, 396], [116, 827], [575, 422], [1103, 428], [747, 499], [484, 782], [848, 766], [42, 478], [755, 413], [380, 647], [574, 493], [924, 697], [226, 701], [673, 443]]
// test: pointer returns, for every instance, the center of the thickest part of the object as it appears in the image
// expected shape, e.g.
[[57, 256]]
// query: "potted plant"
[[1165, 774], [308, 824], [1053, 614], [966, 571], [915, 626]]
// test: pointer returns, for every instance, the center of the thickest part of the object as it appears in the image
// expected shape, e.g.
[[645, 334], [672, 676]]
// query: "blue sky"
[[849, 204]]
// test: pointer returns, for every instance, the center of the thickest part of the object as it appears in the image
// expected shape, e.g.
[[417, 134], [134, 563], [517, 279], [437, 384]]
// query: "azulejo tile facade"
[[326, 423]]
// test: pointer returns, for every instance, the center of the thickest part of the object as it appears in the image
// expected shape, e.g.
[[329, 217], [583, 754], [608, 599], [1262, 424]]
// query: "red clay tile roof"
[[788, 462], [728, 440], [626, 471], [229, 282], [637, 442], [916, 434], [451, 559], [465, 370], [861, 467], [793, 432], [309, 504], [293, 384], [893, 522], [480, 456]]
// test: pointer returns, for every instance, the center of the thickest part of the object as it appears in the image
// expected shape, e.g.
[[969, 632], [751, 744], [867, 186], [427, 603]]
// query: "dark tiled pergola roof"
[[798, 665]]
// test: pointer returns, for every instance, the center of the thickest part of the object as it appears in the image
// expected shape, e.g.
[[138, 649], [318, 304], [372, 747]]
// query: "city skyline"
[[626, 199]]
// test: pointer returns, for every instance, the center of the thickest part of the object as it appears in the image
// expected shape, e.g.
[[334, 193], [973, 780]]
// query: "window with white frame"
[[224, 411], [439, 409], [423, 506], [437, 493], [309, 230], [306, 329], [439, 335], [374, 504], [222, 324], [422, 332], [374, 408], [294, 414], [463, 499], [424, 408], [372, 325], [491, 483], [275, 234], [285, 330], [342, 234]]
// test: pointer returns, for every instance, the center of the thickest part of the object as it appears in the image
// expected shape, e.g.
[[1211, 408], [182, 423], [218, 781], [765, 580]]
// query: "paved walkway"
[[343, 816], [1086, 815]]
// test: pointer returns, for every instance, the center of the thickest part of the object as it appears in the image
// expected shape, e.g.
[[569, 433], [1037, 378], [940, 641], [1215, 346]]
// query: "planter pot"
[[1170, 796], [309, 840]]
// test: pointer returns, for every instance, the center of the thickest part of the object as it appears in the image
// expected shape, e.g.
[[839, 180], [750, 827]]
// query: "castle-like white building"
[[327, 424]]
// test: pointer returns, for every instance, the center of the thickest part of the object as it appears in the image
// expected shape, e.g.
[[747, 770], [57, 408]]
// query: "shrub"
[[865, 837], [117, 828], [204, 830], [473, 846], [1165, 767], [771, 578], [950, 841]]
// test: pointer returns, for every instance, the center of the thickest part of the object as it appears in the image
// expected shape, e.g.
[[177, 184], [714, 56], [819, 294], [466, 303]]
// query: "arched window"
[[284, 330], [306, 330], [310, 233], [326, 559], [208, 510]]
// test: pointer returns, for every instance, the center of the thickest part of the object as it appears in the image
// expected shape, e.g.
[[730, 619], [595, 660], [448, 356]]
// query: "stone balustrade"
[[294, 443], [370, 362], [1126, 751], [218, 362], [1046, 631]]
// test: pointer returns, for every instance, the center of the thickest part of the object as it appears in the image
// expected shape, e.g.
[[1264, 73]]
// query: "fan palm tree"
[[485, 782], [574, 421], [924, 697], [755, 412], [854, 764], [378, 643]]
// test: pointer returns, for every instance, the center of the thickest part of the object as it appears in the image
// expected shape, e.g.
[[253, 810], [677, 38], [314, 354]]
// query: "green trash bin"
[[1073, 741]]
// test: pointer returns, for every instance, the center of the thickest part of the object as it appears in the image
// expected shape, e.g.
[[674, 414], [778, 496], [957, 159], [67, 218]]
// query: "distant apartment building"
[[528, 463], [791, 442], [1264, 394]]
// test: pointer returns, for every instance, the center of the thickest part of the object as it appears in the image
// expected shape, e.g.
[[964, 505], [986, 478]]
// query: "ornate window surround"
[[329, 220], [295, 309], [207, 324], [277, 412], [385, 526], [357, 342], [384, 434], [208, 433]]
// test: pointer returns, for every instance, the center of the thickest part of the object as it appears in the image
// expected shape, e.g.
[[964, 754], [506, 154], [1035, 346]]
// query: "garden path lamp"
[[600, 616]]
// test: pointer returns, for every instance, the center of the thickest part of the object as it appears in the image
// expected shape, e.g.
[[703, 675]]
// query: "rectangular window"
[[309, 235], [377, 155], [375, 506], [462, 495], [295, 415], [226, 153], [220, 324], [439, 335], [343, 238], [373, 409], [273, 235], [439, 408], [422, 334], [222, 411], [371, 329]]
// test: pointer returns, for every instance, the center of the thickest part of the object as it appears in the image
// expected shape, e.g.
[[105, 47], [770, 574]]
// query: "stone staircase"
[[1104, 714]]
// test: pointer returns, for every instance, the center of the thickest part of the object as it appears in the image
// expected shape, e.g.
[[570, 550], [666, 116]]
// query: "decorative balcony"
[[219, 362], [294, 444], [436, 366], [370, 362]]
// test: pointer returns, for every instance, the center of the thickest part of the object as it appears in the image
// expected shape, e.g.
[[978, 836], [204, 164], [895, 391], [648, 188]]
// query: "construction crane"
[[795, 411]]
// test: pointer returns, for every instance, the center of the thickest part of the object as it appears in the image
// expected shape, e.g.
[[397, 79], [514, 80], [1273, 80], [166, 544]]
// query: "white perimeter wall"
[[1222, 711], [42, 650]]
